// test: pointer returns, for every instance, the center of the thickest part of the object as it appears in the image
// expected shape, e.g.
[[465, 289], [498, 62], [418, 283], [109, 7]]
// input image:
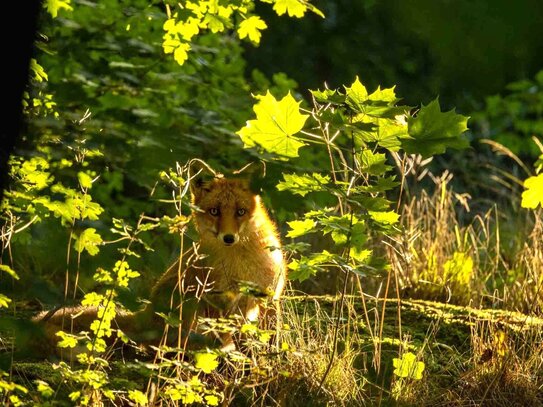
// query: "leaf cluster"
[[360, 131]]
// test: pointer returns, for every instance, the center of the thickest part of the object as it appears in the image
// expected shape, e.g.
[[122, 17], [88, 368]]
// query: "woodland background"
[[105, 100]]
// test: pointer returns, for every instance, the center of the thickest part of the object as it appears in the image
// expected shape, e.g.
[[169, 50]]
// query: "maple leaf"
[[251, 28], [206, 361], [275, 125], [433, 131], [294, 8], [88, 240]]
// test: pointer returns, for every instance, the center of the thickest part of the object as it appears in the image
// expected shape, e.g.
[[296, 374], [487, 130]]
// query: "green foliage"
[[367, 126], [513, 118], [194, 17]]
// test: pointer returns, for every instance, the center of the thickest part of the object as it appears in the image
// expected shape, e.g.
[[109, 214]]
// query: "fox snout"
[[228, 239]]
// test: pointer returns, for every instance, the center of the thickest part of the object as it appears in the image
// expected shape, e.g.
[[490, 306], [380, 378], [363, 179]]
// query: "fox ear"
[[253, 174], [201, 175]]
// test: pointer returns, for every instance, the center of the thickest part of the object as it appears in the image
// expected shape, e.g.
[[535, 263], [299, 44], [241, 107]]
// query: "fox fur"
[[238, 246]]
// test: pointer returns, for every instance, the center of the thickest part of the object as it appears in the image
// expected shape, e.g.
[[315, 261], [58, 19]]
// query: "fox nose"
[[229, 239]]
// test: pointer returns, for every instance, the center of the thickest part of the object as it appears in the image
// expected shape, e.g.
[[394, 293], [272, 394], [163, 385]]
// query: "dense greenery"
[[122, 95]]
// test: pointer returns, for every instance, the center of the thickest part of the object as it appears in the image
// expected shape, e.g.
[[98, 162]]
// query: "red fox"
[[238, 244]]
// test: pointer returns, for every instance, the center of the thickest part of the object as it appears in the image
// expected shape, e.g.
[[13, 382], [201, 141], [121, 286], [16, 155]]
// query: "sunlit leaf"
[[300, 227], [88, 240], [387, 133], [385, 218], [433, 131], [53, 6], [248, 328], [307, 267], [92, 299], [205, 361], [533, 196], [275, 126], [251, 28], [212, 400], [85, 180], [181, 53], [328, 96], [294, 8], [138, 397], [188, 29], [39, 73], [44, 389], [66, 340], [360, 255], [303, 184], [124, 273], [356, 94], [74, 395], [7, 269], [4, 301], [408, 367]]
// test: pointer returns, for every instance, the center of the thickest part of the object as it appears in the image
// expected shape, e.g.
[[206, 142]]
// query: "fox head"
[[225, 208]]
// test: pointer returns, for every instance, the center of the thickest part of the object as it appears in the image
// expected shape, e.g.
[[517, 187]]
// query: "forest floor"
[[471, 357]]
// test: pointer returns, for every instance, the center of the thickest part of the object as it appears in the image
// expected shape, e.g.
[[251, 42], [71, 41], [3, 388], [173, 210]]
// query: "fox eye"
[[214, 211], [241, 212]]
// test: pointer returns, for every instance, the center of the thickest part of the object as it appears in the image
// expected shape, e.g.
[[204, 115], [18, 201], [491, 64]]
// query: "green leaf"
[[7, 269], [44, 389], [39, 73], [328, 96], [356, 95], [385, 218], [66, 340], [359, 234], [294, 8], [307, 267], [433, 131], [301, 227], [387, 133], [207, 362], [360, 255], [251, 28], [408, 367], [373, 164], [533, 196], [88, 240], [275, 125], [303, 184]]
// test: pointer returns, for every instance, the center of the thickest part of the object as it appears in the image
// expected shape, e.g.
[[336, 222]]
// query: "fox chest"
[[230, 268]]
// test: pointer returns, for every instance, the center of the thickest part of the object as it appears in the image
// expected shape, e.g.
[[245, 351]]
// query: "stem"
[[347, 272]]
